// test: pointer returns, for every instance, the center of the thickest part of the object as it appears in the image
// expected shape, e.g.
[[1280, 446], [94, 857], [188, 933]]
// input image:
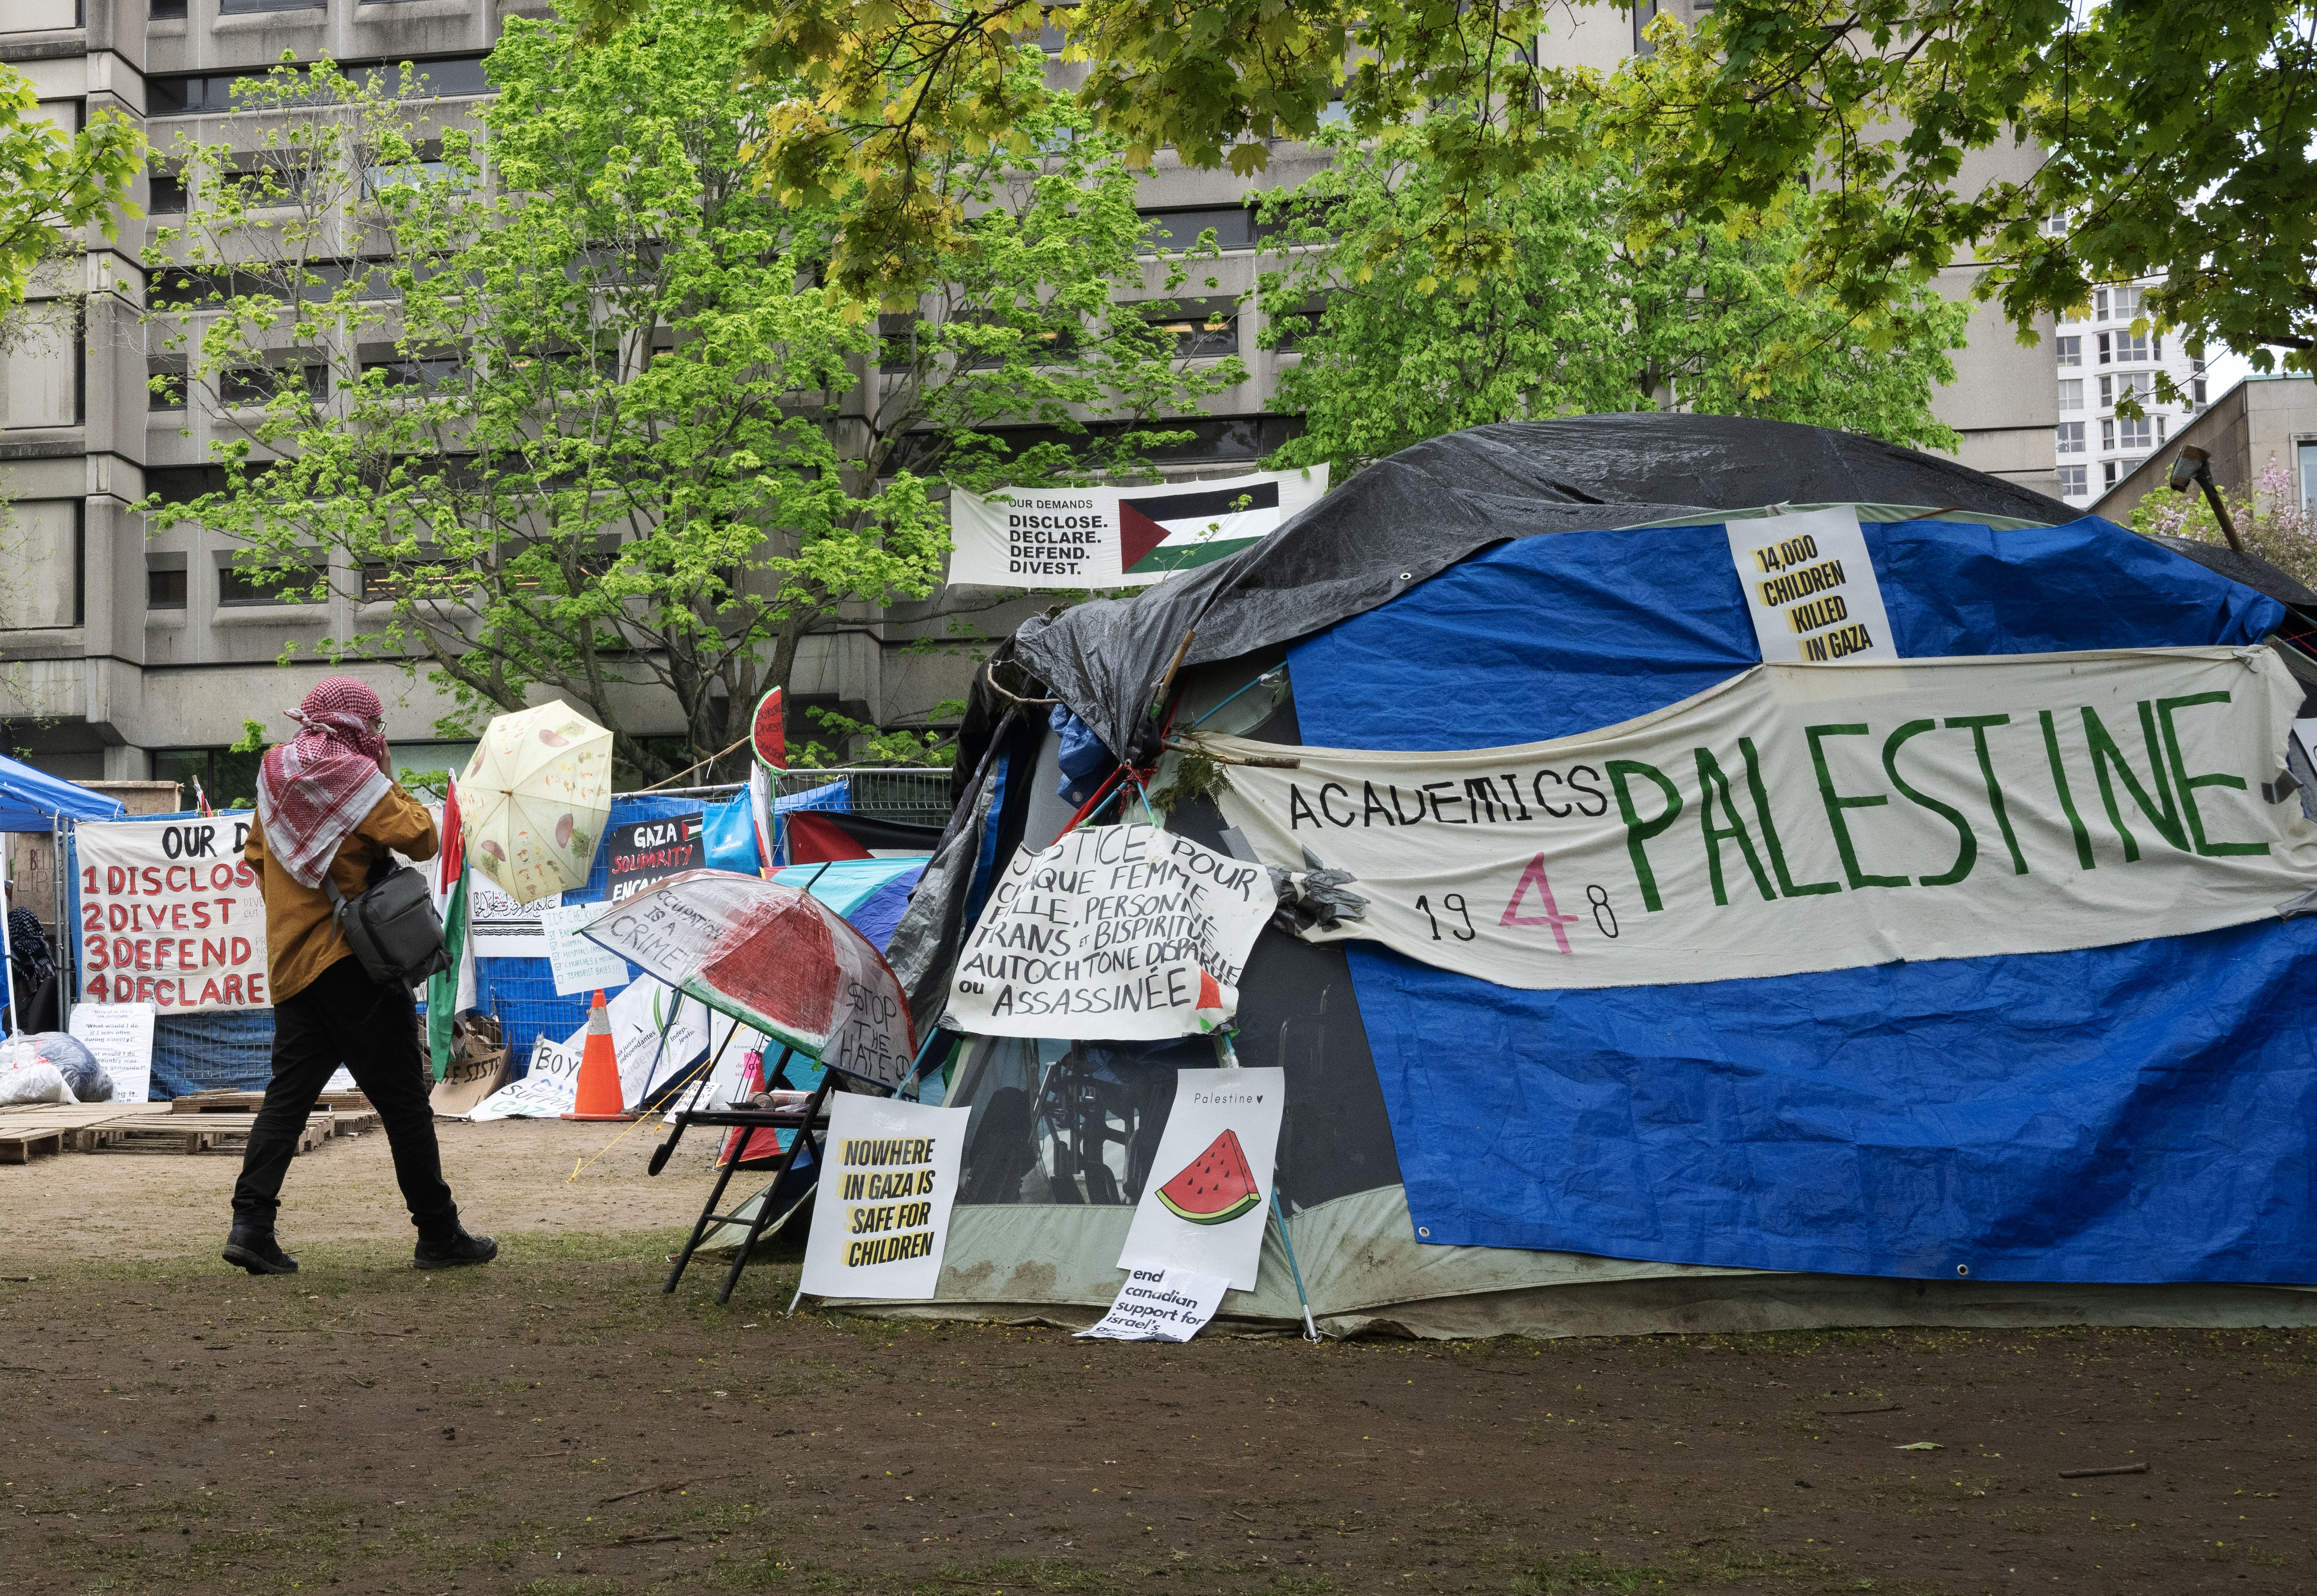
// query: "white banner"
[[880, 1213], [1812, 817], [1811, 587], [1118, 537], [1113, 933], [170, 914], [1208, 1197], [549, 1091]]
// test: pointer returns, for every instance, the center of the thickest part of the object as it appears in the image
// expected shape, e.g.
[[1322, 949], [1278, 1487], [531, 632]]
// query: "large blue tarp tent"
[[32, 800], [2114, 1134]]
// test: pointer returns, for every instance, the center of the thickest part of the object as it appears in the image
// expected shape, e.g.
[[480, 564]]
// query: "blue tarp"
[[2139, 1113], [30, 799]]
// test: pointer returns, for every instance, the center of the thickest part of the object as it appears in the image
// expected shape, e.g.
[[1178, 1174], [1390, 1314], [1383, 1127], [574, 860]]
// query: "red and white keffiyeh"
[[314, 789]]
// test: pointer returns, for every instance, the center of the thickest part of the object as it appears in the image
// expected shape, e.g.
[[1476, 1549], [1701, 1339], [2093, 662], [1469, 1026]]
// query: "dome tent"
[[2113, 1134]]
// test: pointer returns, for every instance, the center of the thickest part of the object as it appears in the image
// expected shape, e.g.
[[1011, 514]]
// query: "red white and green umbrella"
[[775, 959]]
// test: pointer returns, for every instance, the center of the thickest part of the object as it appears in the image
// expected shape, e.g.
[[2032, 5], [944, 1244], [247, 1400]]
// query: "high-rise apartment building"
[[2103, 362], [128, 655]]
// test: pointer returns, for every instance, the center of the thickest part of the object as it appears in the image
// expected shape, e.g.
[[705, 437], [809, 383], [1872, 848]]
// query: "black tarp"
[[1408, 517]]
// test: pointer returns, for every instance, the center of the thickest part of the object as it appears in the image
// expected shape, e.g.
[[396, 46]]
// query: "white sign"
[[1209, 1194], [1115, 932], [1160, 1305], [1811, 588], [578, 964], [121, 1035], [1118, 537], [636, 1016], [547, 1092], [881, 1214], [1813, 817], [170, 914]]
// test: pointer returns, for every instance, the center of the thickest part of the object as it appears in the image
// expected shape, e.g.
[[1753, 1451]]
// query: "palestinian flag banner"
[[1118, 537], [453, 991]]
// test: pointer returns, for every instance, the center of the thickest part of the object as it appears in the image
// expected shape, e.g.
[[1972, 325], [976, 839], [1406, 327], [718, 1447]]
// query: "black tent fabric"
[[1406, 519]]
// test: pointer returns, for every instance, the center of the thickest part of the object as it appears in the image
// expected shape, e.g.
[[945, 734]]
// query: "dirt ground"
[[175, 1426]]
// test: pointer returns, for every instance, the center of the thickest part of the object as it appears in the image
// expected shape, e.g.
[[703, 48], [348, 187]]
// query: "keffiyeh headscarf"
[[314, 789]]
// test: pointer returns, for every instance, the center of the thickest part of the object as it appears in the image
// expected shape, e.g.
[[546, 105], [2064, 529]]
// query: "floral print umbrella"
[[534, 799]]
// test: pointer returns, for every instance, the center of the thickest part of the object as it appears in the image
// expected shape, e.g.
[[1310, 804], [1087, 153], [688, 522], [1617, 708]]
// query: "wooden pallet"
[[248, 1102], [21, 1145], [33, 1130], [208, 1133]]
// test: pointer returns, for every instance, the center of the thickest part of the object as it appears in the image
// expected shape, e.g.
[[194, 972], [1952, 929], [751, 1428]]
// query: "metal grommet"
[[1962, 1268], [1424, 1230], [1407, 576]]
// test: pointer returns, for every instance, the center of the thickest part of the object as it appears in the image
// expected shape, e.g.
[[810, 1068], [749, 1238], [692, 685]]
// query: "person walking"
[[327, 803]]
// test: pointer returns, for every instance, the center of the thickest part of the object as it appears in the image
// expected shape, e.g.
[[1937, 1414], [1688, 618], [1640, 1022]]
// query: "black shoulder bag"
[[392, 926]]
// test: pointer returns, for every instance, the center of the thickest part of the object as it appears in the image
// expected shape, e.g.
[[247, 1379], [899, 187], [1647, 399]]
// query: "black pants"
[[346, 1017]]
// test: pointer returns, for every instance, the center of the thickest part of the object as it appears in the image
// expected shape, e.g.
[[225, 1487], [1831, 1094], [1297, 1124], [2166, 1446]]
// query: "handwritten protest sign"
[[1811, 587], [1117, 933], [548, 1091], [880, 1213], [1208, 1192], [576, 964], [170, 914], [1815, 817], [1160, 1305]]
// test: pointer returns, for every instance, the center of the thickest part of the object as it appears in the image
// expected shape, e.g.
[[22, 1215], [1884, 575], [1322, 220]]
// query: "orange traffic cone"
[[599, 1096]]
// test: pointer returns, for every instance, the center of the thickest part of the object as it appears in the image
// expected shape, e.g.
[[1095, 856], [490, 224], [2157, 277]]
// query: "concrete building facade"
[[125, 655]]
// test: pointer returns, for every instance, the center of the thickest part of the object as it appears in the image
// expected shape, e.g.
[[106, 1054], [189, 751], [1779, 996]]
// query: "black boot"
[[252, 1249], [450, 1251]]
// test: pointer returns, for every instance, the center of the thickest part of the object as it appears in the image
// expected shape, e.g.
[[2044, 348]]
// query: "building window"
[[259, 385], [2125, 349], [1178, 230], [2107, 434], [2071, 482], [166, 11], [164, 385], [2136, 435], [2107, 474], [227, 778], [2071, 393], [2196, 392], [168, 194], [266, 585], [2071, 439], [1203, 329], [165, 589], [2071, 350]]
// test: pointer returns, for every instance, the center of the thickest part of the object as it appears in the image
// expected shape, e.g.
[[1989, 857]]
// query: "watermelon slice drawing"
[[1214, 1188], [768, 736]]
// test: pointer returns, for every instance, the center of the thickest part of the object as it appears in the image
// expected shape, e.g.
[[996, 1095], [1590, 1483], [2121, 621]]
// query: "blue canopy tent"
[[32, 800], [2117, 1134]]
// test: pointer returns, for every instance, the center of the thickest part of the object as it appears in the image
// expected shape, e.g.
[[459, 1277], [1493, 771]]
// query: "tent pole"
[[1310, 1330], [8, 956]]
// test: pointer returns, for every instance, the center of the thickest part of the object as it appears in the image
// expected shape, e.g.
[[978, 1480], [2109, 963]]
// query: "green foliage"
[[2178, 139], [894, 745], [2169, 139], [589, 417], [252, 739], [1716, 318], [52, 182]]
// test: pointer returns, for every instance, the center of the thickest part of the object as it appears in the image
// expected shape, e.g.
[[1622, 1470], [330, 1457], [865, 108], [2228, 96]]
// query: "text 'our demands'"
[[170, 914], [1123, 932], [1806, 817], [882, 1209]]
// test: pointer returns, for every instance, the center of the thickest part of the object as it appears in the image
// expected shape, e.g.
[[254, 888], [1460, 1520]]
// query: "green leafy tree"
[[1582, 320], [569, 405], [52, 183], [2177, 140]]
